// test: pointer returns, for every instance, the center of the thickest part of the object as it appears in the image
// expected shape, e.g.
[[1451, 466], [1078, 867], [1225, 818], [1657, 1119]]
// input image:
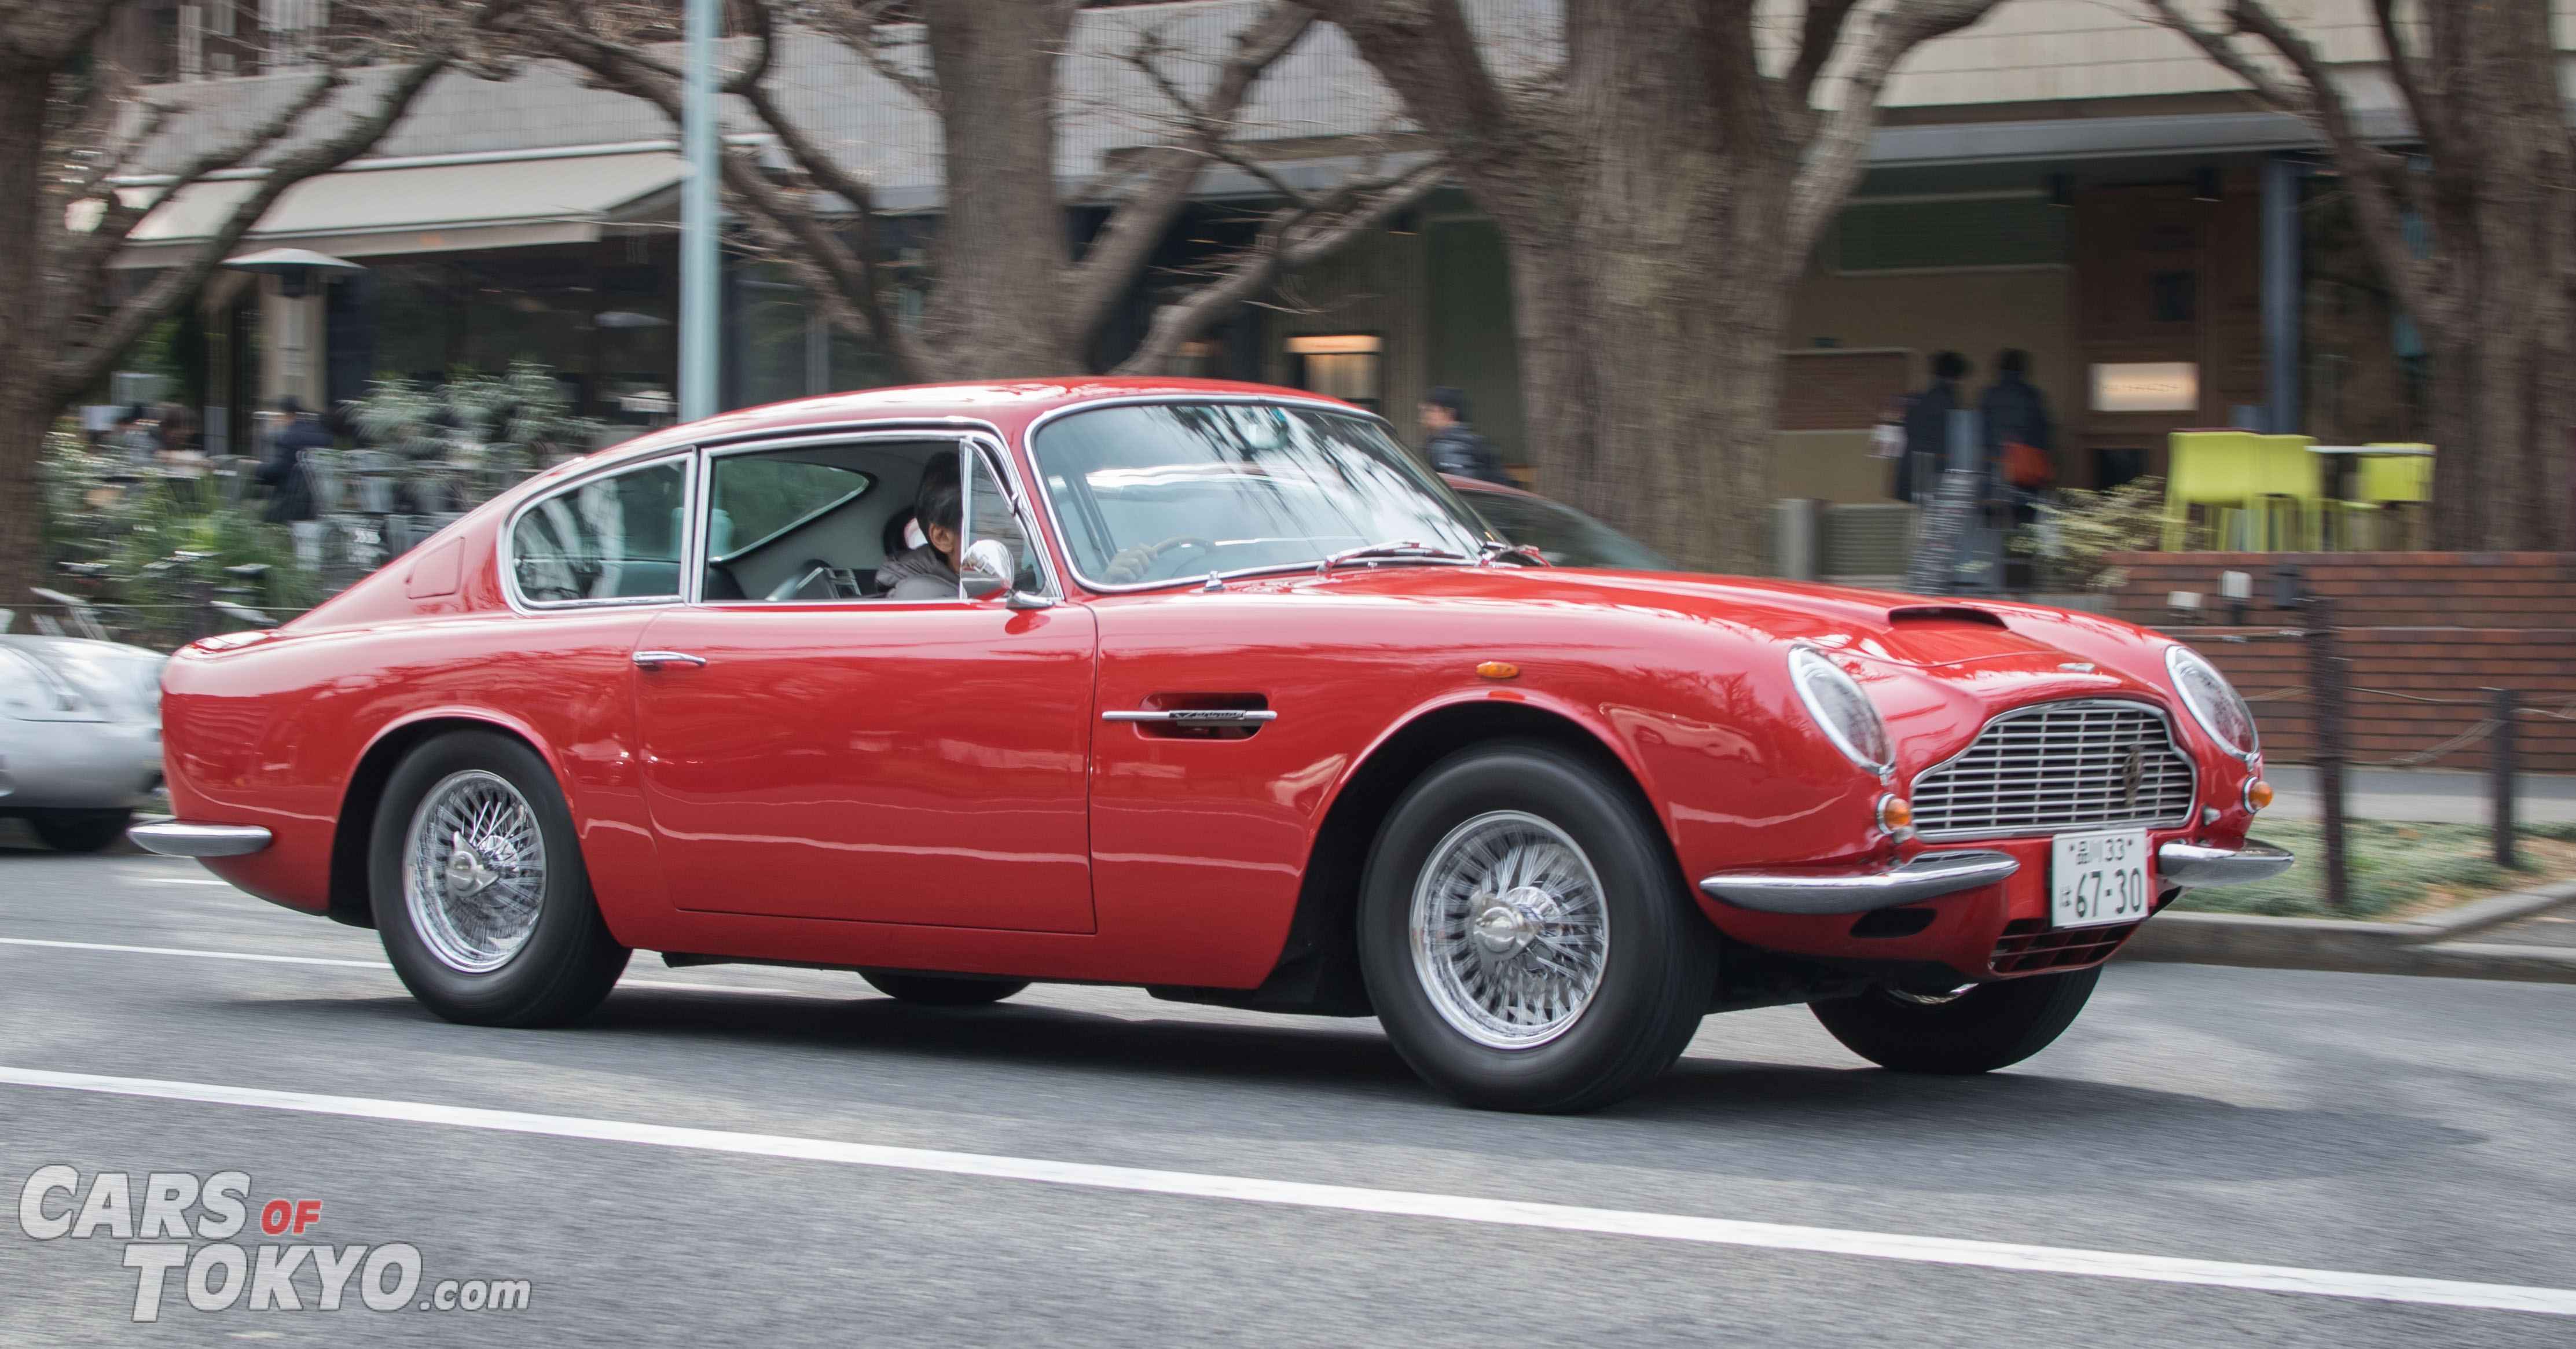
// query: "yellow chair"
[[2212, 469], [2391, 491], [2260, 491]]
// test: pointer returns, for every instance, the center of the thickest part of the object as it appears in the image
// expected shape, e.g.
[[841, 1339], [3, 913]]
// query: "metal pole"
[[699, 301], [2325, 700], [2500, 769], [2280, 289]]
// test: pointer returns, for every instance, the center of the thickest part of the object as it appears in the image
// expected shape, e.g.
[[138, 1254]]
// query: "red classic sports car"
[[1208, 688]]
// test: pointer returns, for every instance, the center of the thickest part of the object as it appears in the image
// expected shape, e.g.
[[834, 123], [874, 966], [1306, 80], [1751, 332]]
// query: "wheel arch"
[[349, 901], [1318, 968]]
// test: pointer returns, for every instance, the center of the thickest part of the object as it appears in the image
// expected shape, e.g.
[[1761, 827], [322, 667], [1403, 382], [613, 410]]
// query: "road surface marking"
[[369, 965], [181, 880], [1355, 1199], [201, 955]]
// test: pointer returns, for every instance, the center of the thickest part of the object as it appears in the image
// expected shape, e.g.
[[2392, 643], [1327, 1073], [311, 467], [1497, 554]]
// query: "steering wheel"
[[1134, 564]]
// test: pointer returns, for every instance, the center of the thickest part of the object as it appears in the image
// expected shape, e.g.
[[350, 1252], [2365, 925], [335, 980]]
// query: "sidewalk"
[[2421, 795]]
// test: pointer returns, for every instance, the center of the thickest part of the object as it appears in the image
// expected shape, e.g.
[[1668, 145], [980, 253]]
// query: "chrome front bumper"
[[2193, 865], [170, 838], [1932, 874], [1924, 877]]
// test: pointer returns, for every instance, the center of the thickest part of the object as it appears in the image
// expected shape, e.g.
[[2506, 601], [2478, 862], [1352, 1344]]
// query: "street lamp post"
[[698, 256]]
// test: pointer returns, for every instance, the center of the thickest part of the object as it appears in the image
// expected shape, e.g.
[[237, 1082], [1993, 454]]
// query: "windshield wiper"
[[1403, 549], [1495, 550]]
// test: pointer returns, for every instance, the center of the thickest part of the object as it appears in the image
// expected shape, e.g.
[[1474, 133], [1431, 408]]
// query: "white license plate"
[[2098, 878]]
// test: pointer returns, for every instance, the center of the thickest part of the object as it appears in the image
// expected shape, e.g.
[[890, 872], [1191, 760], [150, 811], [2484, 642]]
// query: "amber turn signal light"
[[1894, 813], [1499, 669], [2258, 794]]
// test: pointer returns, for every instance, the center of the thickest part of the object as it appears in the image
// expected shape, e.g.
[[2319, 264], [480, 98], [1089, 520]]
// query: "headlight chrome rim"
[[2178, 660], [1808, 667]]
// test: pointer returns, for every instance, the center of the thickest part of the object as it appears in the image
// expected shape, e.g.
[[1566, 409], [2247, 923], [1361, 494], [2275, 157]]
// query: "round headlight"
[[2213, 701], [1839, 705]]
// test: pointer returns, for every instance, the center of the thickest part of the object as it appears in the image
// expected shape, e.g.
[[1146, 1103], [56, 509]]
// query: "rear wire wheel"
[[1526, 936], [1975, 1030], [476, 879]]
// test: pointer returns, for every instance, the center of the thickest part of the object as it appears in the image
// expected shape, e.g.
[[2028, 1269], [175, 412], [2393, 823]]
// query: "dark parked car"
[[1563, 535]]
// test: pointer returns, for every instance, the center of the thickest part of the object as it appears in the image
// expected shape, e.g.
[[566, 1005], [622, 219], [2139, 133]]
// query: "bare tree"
[[2473, 221], [1657, 197], [70, 129], [1010, 295]]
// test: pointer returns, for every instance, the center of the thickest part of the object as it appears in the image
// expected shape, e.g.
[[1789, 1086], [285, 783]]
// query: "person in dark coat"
[[2014, 412], [1454, 447], [289, 479], [1927, 430]]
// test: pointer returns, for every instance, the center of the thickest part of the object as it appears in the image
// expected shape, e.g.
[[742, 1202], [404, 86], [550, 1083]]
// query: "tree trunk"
[[1002, 243], [1651, 296], [2503, 347], [26, 406]]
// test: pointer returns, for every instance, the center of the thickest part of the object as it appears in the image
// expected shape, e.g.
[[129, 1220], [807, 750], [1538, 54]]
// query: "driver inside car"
[[929, 572]]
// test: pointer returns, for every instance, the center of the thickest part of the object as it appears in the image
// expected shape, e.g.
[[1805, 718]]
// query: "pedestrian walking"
[[2021, 456], [1927, 430], [1454, 447], [283, 468]]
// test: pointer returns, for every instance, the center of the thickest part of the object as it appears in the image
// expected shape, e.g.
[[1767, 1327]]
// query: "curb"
[[2428, 947]]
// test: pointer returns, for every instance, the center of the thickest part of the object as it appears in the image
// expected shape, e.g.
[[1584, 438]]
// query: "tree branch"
[[1821, 31], [1292, 239], [858, 28], [1840, 142], [90, 355], [2382, 190], [1135, 228]]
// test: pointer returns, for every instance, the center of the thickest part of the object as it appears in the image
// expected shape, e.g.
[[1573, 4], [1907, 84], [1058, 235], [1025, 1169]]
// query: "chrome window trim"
[[961, 431], [684, 456], [1055, 523], [2163, 718]]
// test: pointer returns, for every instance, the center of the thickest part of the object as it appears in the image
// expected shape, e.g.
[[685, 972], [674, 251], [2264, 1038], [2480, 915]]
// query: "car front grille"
[[2088, 763]]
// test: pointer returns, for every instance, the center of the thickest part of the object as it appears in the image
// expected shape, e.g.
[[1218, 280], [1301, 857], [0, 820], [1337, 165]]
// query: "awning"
[[417, 208]]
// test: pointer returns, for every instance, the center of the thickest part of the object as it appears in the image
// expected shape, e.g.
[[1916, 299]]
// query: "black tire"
[[1988, 1027], [81, 830], [1654, 973], [567, 962], [934, 990]]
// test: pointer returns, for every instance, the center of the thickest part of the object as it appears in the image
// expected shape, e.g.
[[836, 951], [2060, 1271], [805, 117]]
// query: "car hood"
[[1926, 661]]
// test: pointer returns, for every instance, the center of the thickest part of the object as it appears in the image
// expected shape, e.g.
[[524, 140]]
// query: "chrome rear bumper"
[[2192, 865], [170, 838], [1927, 875]]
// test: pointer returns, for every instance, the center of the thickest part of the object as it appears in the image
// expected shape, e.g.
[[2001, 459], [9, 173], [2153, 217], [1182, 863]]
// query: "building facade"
[[2065, 179]]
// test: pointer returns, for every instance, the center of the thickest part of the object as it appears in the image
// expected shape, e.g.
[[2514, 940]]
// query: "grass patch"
[[2398, 870]]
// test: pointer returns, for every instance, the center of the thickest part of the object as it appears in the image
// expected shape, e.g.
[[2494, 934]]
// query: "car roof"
[[1008, 405]]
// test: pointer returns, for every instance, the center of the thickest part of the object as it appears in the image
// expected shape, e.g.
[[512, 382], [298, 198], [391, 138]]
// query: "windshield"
[[1165, 492]]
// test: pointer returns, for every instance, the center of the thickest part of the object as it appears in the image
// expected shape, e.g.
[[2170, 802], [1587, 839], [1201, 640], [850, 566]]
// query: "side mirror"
[[985, 568]]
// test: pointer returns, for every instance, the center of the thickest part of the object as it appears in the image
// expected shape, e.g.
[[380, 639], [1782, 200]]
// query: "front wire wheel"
[[1526, 936], [1510, 931]]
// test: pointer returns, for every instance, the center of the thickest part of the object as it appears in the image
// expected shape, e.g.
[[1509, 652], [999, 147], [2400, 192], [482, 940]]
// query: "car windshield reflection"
[[1151, 494]]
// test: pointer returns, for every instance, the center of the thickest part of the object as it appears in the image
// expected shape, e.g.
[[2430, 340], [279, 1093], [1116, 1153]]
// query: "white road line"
[[181, 880], [201, 955], [1456, 1208], [370, 965]]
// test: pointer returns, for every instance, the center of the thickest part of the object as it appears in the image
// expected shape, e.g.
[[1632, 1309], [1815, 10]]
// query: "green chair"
[[2391, 491], [2287, 504]]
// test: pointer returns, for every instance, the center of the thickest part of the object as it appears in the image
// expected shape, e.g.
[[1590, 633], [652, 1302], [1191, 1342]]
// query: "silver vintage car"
[[80, 736]]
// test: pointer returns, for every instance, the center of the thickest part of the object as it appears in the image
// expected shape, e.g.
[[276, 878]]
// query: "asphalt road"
[[2343, 1123]]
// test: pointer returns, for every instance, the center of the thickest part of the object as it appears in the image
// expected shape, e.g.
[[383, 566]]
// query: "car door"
[[866, 759]]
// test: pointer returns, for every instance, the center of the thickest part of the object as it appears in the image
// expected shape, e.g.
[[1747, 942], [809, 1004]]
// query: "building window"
[[2172, 296], [1339, 365], [1965, 232]]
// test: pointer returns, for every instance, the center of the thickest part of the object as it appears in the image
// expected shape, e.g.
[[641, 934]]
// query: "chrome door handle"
[[1198, 716], [654, 660]]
